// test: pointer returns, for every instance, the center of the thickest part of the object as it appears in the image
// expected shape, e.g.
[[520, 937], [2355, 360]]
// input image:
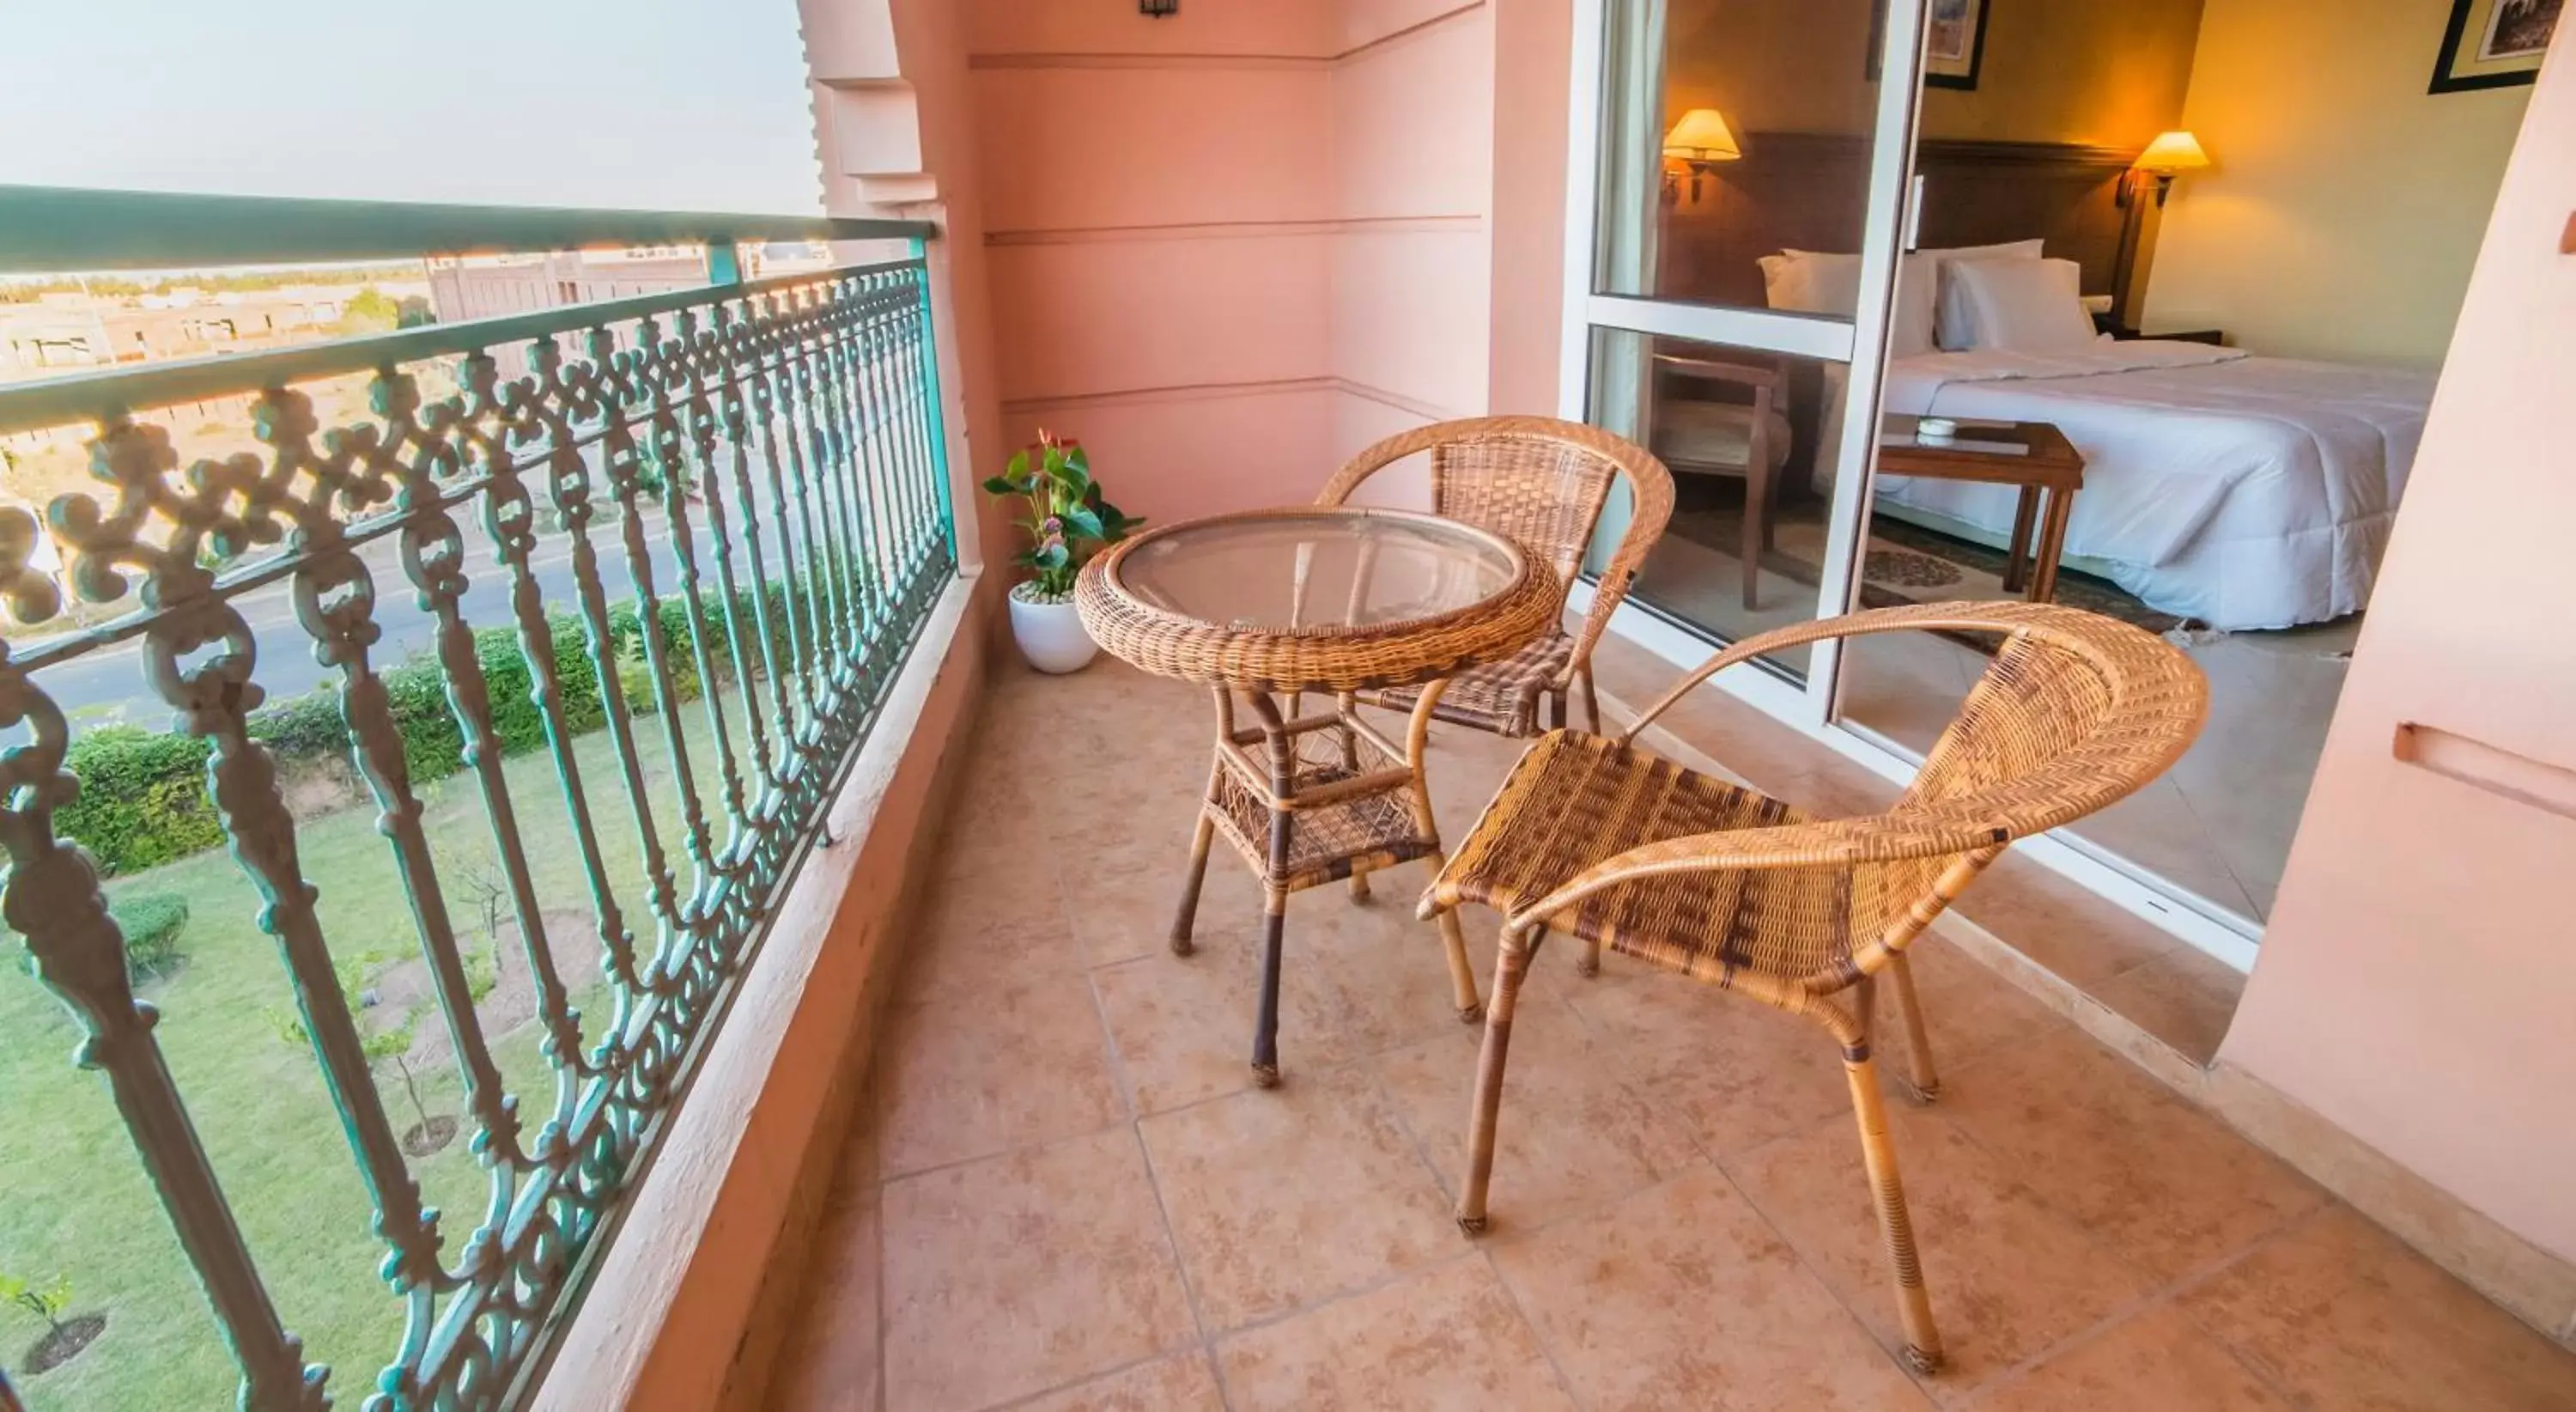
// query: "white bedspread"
[[2246, 492]]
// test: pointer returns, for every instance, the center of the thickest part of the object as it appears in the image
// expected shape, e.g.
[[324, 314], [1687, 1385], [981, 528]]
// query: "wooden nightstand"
[[2051, 466]]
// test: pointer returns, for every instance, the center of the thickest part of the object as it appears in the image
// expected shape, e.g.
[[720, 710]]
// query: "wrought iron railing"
[[708, 524]]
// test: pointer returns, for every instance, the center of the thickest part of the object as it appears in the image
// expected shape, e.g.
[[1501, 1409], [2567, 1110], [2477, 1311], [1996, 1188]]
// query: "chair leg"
[[1914, 1306], [1587, 962], [1187, 917], [1462, 977], [1265, 1024], [1591, 700], [1360, 884], [1511, 967], [1922, 1081]]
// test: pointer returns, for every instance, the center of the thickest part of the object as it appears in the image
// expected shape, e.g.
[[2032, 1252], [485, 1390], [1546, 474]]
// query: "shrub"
[[142, 798], [151, 922]]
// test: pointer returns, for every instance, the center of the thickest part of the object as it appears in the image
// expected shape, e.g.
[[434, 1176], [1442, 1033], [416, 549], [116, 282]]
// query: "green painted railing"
[[761, 464]]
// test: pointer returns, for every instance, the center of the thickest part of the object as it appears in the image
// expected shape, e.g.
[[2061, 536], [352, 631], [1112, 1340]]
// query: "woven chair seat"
[[1502, 696], [1576, 800]]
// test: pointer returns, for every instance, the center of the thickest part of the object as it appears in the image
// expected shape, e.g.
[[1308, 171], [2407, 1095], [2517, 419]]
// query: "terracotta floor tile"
[[1738, 1072], [2341, 1314], [2008, 1276], [1180, 1383], [1122, 886], [953, 962], [829, 1362], [1450, 1340], [1571, 1138], [2156, 1362], [1183, 1025], [1025, 1272], [975, 1074], [1286, 1197], [1683, 1297], [2149, 1176], [1383, 970], [1968, 1009], [2084, 939]]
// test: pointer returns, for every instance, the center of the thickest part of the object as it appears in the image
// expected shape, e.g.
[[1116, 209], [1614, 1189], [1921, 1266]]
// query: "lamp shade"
[[1702, 136], [2172, 152]]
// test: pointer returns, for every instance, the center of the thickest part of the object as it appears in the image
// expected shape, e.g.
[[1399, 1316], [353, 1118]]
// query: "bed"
[[2244, 492]]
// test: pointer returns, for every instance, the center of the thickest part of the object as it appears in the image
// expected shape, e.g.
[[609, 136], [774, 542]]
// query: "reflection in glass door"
[[1743, 170], [1749, 248]]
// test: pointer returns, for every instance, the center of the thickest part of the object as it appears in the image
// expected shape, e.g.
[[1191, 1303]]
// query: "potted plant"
[[1067, 522]]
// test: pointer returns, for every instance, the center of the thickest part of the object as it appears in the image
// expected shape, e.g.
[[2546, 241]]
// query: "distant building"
[[489, 286], [66, 329]]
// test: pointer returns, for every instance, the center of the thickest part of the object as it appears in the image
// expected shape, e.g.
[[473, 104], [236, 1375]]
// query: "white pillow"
[[1810, 282], [2025, 306], [1956, 327]]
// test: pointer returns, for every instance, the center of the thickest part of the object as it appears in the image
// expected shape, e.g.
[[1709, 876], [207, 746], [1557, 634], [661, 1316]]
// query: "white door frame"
[[1811, 707]]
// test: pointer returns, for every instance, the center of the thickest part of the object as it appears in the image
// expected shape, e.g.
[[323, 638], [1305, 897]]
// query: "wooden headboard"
[[1805, 191]]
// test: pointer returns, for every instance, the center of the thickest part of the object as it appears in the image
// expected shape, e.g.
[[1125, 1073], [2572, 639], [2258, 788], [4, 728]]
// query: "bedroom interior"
[[2180, 278]]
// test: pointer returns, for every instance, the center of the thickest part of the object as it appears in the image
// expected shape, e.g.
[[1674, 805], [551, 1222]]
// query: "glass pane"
[[1752, 439], [1732, 131], [1318, 568], [2217, 827]]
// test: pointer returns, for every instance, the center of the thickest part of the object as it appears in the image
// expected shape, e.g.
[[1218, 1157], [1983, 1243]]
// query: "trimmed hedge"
[[151, 923], [143, 798]]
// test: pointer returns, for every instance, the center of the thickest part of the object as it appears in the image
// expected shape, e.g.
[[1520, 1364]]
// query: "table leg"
[[2025, 512], [1265, 1025], [1274, 888], [2052, 547]]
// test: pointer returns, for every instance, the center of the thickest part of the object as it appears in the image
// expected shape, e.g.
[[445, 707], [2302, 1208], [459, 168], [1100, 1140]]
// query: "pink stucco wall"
[[2417, 982], [1229, 247]]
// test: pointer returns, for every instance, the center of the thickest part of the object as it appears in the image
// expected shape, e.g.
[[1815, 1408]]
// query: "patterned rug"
[[1904, 563]]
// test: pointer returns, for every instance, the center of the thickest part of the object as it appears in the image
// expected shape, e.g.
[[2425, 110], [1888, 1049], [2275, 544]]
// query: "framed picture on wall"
[[2494, 43], [1954, 42]]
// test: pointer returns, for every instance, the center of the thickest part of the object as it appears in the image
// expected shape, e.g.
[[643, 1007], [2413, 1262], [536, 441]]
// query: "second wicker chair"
[[1543, 483], [1689, 874]]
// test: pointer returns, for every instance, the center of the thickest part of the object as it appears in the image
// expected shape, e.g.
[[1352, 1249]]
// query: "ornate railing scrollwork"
[[763, 462]]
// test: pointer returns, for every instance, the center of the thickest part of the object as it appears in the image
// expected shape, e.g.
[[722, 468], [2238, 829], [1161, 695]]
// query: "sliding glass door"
[[1746, 186], [1743, 165]]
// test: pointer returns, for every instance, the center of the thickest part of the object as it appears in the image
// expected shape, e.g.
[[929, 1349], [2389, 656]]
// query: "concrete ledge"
[[672, 1319]]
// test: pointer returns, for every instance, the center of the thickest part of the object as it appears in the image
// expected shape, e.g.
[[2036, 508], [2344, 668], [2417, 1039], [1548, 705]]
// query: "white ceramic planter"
[[1050, 635]]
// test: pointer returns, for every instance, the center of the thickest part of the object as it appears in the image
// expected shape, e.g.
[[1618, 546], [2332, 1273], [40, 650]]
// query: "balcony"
[[715, 974], [1066, 1191]]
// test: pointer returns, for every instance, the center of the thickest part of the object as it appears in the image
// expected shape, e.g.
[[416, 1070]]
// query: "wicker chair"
[[1597, 838], [1542, 482]]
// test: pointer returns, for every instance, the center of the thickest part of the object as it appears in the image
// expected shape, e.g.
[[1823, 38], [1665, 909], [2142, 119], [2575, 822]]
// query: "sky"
[[638, 104]]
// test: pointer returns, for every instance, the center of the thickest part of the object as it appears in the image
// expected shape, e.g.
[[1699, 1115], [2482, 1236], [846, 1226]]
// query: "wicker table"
[[1329, 602]]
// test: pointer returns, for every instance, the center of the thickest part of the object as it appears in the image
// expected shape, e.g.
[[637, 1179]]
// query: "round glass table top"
[[1321, 569]]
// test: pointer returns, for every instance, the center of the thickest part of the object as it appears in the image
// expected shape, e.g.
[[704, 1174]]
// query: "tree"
[[370, 310], [48, 1302], [391, 1046]]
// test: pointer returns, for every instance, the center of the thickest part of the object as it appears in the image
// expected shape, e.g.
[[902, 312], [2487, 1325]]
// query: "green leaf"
[[1019, 464], [1082, 522], [1001, 485], [1054, 556], [1080, 460]]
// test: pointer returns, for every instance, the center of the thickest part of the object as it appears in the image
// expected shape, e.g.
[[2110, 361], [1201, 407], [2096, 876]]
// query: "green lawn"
[[73, 1198]]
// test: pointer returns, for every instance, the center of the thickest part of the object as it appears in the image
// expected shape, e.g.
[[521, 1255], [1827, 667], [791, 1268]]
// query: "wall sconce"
[[2171, 154], [1699, 141], [1157, 9]]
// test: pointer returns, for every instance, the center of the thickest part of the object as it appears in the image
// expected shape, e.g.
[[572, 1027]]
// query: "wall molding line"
[[1239, 230], [1046, 59], [1227, 391]]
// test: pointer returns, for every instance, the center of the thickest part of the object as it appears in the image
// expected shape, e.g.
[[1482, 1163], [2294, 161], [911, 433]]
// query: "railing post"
[[933, 410]]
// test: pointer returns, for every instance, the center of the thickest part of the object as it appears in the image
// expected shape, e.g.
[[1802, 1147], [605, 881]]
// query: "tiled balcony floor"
[[1071, 1196]]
